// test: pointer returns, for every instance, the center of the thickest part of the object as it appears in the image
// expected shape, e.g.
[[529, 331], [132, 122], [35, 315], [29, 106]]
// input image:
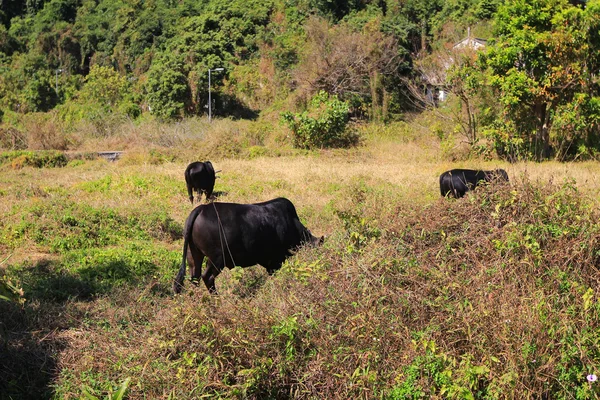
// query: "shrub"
[[11, 138], [39, 159], [44, 133], [323, 124], [8, 291]]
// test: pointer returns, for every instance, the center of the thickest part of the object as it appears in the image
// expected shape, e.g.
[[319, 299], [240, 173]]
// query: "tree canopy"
[[543, 64], [153, 57]]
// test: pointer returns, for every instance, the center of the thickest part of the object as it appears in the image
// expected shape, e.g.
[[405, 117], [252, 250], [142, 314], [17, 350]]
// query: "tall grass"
[[412, 296]]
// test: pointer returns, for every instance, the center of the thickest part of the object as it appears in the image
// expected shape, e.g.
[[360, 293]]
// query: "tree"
[[348, 64], [465, 81], [167, 87], [105, 86], [541, 59], [456, 73]]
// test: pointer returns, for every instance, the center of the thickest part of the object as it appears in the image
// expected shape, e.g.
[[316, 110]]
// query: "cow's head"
[[502, 173], [309, 238], [317, 241], [498, 174]]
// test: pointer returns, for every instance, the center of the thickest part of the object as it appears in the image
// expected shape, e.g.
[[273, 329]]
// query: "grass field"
[[412, 296]]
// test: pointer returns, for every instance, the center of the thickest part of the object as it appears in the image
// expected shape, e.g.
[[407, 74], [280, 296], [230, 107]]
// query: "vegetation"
[[89, 62], [411, 296], [324, 124], [333, 105], [542, 64]]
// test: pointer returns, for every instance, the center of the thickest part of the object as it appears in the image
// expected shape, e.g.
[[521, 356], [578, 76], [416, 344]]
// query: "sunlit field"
[[411, 296]]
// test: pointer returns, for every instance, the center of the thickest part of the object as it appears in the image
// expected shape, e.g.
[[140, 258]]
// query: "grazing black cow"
[[231, 234], [457, 182], [200, 176]]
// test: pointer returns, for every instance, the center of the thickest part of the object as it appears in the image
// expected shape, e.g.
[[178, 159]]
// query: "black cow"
[[231, 234], [457, 182], [200, 176]]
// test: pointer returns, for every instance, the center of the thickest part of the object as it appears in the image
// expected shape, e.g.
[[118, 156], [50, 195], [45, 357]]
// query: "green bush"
[[39, 159], [324, 124]]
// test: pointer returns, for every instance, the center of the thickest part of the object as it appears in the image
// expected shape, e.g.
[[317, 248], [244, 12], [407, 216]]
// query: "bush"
[[324, 124], [39, 159], [12, 138], [45, 133]]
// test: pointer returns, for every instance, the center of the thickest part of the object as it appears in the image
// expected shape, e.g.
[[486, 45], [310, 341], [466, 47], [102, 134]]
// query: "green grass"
[[411, 296]]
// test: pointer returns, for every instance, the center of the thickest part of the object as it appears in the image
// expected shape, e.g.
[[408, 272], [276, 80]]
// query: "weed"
[[119, 394], [286, 333]]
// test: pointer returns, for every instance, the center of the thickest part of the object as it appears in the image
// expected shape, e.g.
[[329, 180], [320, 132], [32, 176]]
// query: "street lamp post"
[[56, 79], [209, 99]]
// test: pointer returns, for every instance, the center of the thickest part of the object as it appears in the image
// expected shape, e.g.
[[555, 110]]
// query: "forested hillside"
[[155, 55], [99, 59], [86, 59]]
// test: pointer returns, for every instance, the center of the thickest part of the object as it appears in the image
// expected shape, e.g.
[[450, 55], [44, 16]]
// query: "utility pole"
[[56, 79], [209, 98]]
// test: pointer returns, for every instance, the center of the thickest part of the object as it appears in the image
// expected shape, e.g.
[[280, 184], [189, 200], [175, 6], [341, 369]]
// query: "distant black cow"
[[457, 182], [200, 177], [231, 234]]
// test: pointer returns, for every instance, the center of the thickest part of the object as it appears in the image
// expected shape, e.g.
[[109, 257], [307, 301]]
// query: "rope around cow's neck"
[[222, 229]]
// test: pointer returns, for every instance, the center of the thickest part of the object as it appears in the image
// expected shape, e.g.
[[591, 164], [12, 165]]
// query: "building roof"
[[470, 42]]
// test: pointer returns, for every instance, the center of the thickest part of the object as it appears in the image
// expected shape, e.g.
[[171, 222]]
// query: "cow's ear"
[[321, 239]]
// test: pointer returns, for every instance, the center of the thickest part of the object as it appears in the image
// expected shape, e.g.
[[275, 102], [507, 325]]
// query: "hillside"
[[89, 61]]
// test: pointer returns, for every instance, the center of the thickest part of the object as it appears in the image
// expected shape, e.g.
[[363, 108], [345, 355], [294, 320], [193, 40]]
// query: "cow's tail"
[[187, 234], [190, 194], [188, 183]]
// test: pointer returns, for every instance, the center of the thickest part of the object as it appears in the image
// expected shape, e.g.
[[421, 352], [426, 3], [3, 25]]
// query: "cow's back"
[[193, 169], [253, 233], [458, 181]]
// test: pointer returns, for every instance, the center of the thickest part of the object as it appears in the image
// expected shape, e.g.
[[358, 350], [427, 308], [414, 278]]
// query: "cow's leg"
[[209, 192], [195, 259], [213, 269], [273, 266]]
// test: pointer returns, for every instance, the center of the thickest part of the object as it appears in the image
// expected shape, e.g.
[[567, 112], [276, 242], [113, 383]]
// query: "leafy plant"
[[323, 124], [8, 291], [119, 394]]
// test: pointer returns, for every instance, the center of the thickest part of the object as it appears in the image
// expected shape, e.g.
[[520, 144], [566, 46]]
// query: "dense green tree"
[[167, 87], [10, 9], [120, 32], [26, 83], [331, 9], [225, 34], [539, 63]]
